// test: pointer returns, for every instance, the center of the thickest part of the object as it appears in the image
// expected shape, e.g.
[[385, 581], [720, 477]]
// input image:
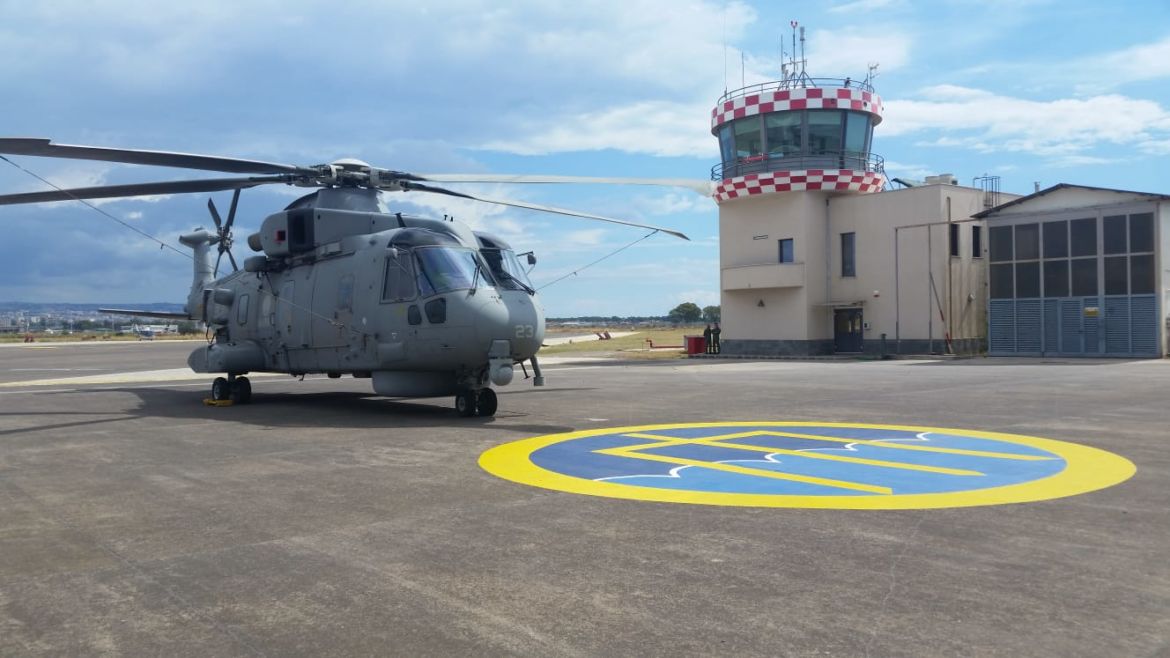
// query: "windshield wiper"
[[508, 275]]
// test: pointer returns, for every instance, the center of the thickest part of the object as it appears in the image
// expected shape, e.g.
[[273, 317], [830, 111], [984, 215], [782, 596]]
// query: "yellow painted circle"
[[849, 466]]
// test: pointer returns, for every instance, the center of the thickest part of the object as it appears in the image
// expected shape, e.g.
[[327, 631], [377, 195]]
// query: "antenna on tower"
[[794, 72], [873, 66]]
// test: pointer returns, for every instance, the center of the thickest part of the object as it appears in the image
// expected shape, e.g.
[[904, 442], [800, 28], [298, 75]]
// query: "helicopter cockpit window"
[[442, 269], [399, 281], [507, 269]]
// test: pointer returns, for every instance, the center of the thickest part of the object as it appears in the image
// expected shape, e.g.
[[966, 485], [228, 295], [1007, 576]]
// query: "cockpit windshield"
[[507, 269], [442, 269]]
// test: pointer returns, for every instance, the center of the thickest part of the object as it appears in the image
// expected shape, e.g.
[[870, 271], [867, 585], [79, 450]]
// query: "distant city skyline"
[[1030, 91]]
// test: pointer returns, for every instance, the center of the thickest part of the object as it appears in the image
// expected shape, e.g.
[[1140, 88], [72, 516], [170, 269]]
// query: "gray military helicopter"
[[343, 284]]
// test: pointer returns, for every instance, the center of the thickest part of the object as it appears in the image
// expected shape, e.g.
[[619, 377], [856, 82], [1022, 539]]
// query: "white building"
[[814, 257]]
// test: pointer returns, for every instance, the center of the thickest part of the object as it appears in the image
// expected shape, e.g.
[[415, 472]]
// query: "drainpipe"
[[950, 280], [829, 269]]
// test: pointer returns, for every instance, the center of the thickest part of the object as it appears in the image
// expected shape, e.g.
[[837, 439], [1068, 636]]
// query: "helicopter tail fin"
[[204, 273]]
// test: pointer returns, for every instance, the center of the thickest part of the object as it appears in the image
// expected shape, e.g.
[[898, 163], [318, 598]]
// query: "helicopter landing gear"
[[241, 390], [236, 389], [487, 403], [476, 403], [220, 389], [465, 402]]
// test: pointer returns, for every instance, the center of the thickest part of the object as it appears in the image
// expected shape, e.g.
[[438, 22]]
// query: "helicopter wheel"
[[465, 403], [487, 403], [241, 390], [220, 389]]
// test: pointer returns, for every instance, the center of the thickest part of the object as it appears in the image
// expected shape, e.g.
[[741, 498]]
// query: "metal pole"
[[930, 273], [897, 307]]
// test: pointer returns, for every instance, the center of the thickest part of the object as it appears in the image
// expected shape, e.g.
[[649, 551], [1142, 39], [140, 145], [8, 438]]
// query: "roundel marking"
[[807, 464]]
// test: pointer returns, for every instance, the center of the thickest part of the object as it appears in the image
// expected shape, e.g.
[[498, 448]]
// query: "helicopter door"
[[333, 286], [293, 325]]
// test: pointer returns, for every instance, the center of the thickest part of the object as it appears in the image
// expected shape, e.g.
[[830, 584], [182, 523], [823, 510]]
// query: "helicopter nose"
[[521, 324]]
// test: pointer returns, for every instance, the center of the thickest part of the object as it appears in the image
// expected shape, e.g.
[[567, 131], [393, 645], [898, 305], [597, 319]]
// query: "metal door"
[[847, 330]]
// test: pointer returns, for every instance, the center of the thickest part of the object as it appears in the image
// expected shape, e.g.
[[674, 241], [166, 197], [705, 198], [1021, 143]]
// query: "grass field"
[[633, 346]]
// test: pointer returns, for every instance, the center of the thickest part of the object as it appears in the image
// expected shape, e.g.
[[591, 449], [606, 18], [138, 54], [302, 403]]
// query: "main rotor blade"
[[46, 149], [704, 187], [141, 189], [533, 206]]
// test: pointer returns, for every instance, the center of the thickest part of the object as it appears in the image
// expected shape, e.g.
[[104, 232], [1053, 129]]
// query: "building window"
[[848, 254], [954, 239], [1027, 241], [1141, 233], [1083, 237], [1116, 240], [1027, 280], [783, 133], [976, 241], [1001, 243], [1055, 239], [749, 140], [1084, 276], [1056, 278], [1002, 285], [786, 251], [1141, 275], [824, 132], [1117, 275]]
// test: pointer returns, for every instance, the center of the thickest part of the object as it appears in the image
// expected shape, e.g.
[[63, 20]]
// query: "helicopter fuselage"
[[422, 307]]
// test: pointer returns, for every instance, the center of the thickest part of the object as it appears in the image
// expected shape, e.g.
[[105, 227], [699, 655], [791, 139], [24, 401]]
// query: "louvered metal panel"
[[1144, 325], [1028, 326], [1051, 326], [1002, 326], [1117, 325], [1091, 326], [1071, 333]]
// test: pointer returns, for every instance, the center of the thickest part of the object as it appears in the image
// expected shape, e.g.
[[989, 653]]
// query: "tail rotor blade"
[[232, 213], [215, 215]]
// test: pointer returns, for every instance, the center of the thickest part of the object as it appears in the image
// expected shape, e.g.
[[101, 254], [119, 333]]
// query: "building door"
[[847, 330]]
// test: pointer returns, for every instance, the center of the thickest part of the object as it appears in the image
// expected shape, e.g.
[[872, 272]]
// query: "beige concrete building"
[[814, 257]]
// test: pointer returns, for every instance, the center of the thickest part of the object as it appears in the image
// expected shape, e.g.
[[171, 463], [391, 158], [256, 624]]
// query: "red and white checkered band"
[[807, 98], [830, 180]]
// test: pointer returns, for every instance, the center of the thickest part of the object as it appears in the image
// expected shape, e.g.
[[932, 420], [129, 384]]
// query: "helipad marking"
[[710, 463]]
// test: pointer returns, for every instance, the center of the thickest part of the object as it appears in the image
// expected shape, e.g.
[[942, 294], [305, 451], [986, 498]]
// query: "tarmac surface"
[[324, 520]]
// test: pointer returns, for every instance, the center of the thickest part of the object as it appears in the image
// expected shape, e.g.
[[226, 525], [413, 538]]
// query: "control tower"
[[787, 148]]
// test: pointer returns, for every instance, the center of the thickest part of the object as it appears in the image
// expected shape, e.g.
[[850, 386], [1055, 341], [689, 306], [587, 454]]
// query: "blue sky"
[[1032, 91]]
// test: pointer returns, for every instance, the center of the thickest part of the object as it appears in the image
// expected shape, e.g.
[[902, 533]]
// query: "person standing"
[[707, 340], [715, 338]]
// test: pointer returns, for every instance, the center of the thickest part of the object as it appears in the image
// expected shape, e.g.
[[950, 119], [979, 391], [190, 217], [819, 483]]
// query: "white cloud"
[[987, 122], [660, 128], [861, 6], [841, 52]]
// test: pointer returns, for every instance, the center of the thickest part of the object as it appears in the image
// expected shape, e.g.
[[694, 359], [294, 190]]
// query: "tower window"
[[786, 251], [848, 254]]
